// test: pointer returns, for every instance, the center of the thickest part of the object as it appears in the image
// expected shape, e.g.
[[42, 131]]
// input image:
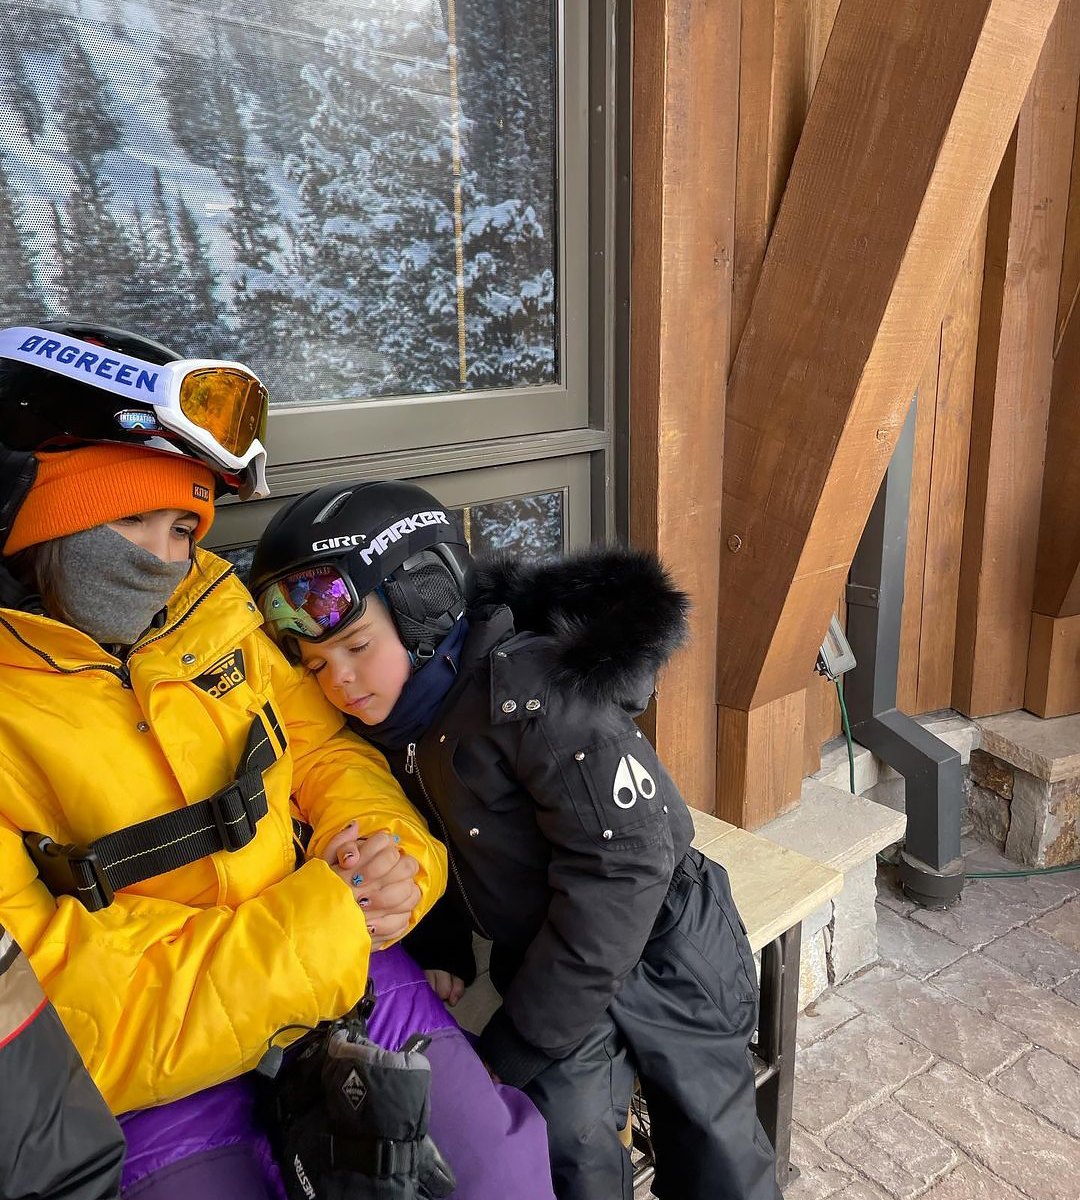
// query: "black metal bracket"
[[931, 867]]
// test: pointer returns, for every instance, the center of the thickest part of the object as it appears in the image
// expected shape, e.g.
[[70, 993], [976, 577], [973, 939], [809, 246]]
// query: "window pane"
[[240, 557], [357, 198], [532, 527]]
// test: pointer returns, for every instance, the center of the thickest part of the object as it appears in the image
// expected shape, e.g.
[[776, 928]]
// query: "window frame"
[[239, 525]]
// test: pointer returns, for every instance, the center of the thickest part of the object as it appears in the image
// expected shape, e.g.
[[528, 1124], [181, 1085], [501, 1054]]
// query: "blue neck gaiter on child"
[[421, 697]]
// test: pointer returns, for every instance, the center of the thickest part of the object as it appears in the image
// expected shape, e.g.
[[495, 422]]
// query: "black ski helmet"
[[386, 534], [47, 404], [35, 412], [39, 408]]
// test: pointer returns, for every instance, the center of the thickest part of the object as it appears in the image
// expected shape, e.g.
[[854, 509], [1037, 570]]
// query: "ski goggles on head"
[[312, 604], [215, 410]]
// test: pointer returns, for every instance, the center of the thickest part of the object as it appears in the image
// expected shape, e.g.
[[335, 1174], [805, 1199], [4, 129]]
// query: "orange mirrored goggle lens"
[[229, 405]]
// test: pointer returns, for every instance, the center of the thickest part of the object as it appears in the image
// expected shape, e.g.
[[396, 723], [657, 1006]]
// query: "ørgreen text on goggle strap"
[[220, 406]]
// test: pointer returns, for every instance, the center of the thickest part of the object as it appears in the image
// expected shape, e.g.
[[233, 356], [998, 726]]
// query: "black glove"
[[350, 1119]]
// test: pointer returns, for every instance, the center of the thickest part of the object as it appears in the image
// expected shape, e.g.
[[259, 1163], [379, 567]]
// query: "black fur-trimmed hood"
[[614, 615]]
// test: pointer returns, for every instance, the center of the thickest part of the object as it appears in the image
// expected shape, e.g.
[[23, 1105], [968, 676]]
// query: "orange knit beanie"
[[92, 485]]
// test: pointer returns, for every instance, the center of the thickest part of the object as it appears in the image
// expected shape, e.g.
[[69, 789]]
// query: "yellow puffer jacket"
[[179, 983]]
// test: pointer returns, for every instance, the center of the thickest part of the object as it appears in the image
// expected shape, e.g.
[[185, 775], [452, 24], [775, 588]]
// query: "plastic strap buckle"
[[70, 870]]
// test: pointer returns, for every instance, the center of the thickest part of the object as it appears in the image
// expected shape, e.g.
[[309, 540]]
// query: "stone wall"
[[1035, 821]]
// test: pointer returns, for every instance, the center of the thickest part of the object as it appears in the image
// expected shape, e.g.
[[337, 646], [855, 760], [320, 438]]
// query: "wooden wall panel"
[[911, 622], [1070, 259], [820, 18], [772, 108], [948, 483], [780, 55], [822, 716], [684, 127], [1053, 678], [1025, 238], [822, 713], [938, 491], [1057, 568], [1057, 577]]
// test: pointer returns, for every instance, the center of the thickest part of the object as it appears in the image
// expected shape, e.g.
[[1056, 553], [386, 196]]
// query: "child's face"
[[362, 669], [165, 532]]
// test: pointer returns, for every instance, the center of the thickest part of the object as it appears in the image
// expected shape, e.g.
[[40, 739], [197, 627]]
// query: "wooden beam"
[[760, 778], [1013, 376], [684, 112], [1053, 682], [908, 122]]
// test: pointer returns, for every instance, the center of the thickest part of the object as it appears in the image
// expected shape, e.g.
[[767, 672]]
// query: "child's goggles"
[[216, 410], [312, 604]]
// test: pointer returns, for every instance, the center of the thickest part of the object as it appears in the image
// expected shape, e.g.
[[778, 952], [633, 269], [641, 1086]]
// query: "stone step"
[[834, 827], [846, 832], [1025, 787]]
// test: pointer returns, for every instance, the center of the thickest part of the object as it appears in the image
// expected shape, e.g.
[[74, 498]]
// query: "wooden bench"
[[774, 889]]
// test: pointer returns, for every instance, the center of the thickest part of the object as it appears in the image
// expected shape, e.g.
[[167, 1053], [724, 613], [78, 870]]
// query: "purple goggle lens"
[[311, 604]]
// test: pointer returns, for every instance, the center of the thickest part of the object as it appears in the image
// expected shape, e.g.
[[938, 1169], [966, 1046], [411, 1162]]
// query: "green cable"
[[1021, 874], [847, 732]]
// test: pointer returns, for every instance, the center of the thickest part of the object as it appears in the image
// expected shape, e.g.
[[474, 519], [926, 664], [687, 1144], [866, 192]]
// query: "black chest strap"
[[226, 820]]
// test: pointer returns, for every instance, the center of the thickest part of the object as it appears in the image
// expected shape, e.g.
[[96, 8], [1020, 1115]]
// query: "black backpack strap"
[[226, 820]]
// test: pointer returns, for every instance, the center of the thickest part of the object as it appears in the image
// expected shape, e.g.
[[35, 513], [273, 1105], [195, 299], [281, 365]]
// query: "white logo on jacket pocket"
[[631, 781]]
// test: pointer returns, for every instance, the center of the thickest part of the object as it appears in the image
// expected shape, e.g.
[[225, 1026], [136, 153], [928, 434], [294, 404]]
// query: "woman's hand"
[[449, 988], [380, 878]]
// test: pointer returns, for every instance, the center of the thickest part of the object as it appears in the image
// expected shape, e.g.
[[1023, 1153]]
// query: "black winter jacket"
[[58, 1140], [563, 827]]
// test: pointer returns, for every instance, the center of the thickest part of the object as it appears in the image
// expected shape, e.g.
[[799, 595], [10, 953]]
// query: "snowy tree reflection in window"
[[531, 527], [357, 198]]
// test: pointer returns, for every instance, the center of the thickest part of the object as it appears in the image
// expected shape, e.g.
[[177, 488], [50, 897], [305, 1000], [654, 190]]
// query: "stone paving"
[[950, 1069]]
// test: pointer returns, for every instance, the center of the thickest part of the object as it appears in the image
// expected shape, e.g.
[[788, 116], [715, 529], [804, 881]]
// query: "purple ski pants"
[[210, 1145]]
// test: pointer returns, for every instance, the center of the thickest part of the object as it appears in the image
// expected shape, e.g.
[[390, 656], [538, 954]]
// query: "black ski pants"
[[681, 1021]]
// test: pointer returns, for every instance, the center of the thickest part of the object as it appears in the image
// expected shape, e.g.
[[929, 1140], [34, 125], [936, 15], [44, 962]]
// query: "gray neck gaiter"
[[112, 589]]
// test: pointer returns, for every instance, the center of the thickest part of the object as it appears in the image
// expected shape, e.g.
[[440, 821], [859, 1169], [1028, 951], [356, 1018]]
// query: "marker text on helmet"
[[390, 535], [108, 369]]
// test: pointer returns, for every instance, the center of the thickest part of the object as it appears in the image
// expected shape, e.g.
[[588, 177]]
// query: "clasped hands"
[[380, 877]]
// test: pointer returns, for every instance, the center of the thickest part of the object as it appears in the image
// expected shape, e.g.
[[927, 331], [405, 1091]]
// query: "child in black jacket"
[[504, 704]]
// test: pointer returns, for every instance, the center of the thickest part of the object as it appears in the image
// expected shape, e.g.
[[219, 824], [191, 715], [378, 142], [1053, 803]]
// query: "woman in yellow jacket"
[[135, 684]]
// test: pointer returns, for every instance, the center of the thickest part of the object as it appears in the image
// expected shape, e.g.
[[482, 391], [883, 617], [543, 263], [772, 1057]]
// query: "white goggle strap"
[[254, 486]]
